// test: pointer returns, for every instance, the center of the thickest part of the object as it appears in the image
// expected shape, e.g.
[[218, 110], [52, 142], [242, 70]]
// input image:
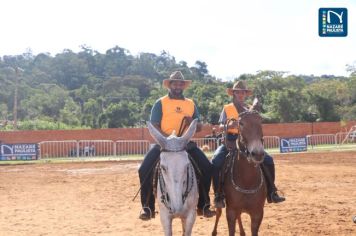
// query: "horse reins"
[[158, 174], [193, 166], [181, 129], [183, 126], [241, 149], [240, 189], [164, 193]]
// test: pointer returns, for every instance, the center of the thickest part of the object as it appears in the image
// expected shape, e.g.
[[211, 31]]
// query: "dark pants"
[[145, 173], [147, 168], [219, 159], [218, 162]]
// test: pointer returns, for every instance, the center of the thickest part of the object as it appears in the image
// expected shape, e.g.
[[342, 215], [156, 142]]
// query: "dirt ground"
[[95, 198]]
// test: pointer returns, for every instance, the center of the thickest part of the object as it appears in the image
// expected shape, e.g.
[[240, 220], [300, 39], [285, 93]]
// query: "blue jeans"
[[219, 159]]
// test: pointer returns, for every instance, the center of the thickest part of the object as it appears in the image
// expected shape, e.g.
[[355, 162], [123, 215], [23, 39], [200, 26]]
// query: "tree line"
[[114, 89]]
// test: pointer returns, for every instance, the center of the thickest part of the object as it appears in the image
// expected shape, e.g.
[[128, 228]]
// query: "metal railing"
[[345, 138], [271, 142], [206, 144], [57, 149], [320, 140], [93, 148], [105, 148], [132, 147], [76, 148]]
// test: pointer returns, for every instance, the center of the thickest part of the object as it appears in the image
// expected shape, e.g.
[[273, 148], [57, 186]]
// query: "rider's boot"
[[204, 202], [205, 211], [219, 198], [147, 201], [146, 174], [272, 195], [147, 213]]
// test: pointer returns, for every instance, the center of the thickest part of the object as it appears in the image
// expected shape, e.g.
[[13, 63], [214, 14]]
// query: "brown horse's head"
[[250, 139]]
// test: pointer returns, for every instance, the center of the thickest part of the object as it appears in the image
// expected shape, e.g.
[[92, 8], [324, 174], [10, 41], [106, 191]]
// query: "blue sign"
[[22, 151], [293, 144], [333, 22]]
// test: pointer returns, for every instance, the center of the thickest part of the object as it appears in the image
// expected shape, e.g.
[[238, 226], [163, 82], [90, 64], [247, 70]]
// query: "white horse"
[[177, 188]]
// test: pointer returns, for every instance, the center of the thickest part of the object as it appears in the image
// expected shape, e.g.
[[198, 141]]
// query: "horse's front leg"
[[188, 222], [231, 220], [217, 217], [241, 227], [256, 220], [166, 221]]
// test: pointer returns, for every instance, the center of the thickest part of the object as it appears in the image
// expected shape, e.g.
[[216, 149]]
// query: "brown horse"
[[244, 185]]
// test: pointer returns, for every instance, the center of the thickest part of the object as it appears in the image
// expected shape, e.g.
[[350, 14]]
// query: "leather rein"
[[162, 185]]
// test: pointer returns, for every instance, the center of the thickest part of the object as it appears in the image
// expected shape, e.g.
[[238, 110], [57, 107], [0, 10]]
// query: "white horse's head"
[[176, 178]]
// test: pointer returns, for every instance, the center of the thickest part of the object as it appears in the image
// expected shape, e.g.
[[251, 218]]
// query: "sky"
[[233, 37]]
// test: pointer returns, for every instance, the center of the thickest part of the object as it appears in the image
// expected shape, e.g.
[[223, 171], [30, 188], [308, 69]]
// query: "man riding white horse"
[[174, 112], [177, 187]]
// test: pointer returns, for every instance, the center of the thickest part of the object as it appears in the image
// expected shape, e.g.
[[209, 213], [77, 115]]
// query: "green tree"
[[286, 106], [91, 113], [70, 113], [69, 70], [124, 114], [117, 61]]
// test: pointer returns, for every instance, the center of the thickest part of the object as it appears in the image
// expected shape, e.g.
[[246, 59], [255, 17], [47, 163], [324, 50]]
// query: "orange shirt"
[[173, 112], [231, 113]]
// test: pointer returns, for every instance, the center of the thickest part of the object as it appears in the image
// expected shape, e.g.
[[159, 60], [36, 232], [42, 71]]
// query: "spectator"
[[92, 149]]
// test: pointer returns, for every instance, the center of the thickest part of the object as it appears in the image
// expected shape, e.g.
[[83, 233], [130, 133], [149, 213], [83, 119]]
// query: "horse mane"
[[248, 112]]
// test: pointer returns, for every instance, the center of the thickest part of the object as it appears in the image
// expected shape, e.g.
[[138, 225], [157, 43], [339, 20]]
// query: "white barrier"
[[132, 147], [206, 144], [345, 138], [74, 148], [271, 142], [55, 149], [104, 148], [321, 139], [94, 148]]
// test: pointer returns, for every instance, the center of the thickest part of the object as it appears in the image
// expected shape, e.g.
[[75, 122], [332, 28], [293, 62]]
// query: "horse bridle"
[[240, 189], [244, 150], [241, 143], [190, 173], [162, 184]]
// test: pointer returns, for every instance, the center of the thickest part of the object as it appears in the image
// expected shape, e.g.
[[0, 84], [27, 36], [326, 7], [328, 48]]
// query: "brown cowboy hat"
[[176, 76], [239, 85]]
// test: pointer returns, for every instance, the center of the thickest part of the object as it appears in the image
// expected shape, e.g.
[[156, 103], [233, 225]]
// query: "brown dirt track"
[[95, 198]]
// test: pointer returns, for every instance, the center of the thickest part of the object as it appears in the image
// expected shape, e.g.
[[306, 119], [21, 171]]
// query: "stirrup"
[[205, 211], [275, 198], [146, 210]]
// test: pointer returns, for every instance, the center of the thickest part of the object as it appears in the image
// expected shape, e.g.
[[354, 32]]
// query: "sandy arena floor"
[[95, 198]]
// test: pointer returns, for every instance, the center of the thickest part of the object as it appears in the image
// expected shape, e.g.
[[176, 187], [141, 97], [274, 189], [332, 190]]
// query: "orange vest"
[[231, 113], [173, 111]]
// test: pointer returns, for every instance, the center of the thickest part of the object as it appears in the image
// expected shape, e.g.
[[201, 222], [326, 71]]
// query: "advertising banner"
[[22, 151], [293, 144]]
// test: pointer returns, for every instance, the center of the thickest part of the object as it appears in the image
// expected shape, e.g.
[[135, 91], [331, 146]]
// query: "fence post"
[[77, 144], [114, 148]]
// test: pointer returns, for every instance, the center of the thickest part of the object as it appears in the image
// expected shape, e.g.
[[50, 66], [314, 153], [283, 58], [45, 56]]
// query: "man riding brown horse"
[[239, 92]]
